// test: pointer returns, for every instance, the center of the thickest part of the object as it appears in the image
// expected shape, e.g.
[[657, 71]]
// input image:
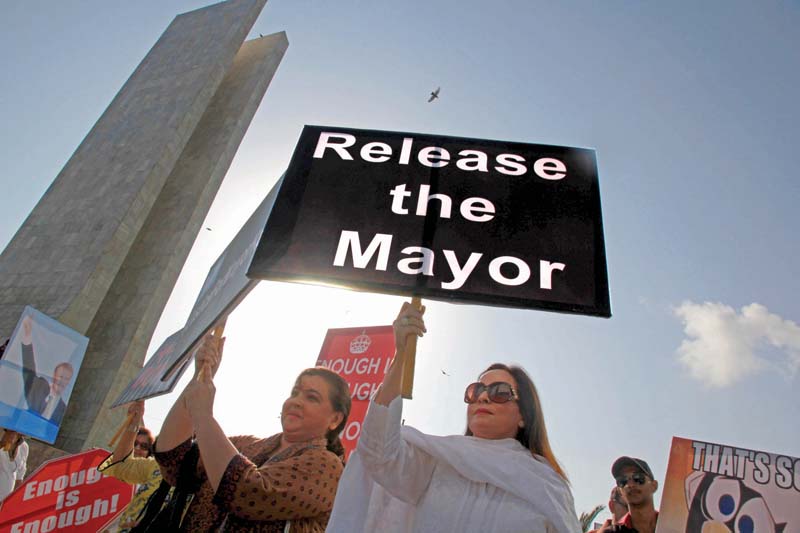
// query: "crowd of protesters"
[[501, 476]]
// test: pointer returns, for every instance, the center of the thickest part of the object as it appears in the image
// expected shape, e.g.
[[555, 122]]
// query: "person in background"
[[617, 505], [286, 482], [13, 461], [501, 476], [636, 482], [132, 462]]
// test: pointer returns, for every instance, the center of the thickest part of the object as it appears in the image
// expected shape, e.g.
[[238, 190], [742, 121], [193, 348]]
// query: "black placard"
[[524, 227]]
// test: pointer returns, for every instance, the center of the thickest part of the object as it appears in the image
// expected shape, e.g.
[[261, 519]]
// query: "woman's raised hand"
[[136, 411], [209, 354], [199, 397], [409, 321], [196, 402]]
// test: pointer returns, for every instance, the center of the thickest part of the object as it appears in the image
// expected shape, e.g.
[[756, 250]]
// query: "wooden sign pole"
[[407, 383]]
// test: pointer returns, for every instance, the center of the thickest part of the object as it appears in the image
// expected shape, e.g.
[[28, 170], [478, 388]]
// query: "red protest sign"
[[66, 494], [361, 356]]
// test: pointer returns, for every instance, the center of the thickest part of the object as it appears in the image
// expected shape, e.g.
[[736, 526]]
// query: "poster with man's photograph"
[[37, 373]]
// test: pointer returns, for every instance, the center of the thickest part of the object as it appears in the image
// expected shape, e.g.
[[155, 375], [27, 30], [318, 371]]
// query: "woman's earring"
[[521, 423]]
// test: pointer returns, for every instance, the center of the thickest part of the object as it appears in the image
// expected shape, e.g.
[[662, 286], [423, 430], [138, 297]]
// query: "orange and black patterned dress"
[[262, 490]]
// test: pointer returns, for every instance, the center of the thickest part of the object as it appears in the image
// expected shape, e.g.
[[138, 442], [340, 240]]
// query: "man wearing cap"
[[637, 484]]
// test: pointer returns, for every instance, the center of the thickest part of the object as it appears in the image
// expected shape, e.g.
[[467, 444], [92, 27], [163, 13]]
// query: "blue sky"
[[692, 108]]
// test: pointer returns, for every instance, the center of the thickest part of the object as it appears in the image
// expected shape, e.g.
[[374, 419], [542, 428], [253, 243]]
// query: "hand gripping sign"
[[66, 494]]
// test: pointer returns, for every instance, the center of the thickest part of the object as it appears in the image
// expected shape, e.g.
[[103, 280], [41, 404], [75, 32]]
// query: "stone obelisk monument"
[[103, 248]]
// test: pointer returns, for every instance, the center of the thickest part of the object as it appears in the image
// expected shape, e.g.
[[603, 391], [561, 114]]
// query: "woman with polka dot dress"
[[286, 482]]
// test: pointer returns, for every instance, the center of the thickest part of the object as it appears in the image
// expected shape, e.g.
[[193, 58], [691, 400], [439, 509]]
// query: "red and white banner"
[[66, 494], [361, 356]]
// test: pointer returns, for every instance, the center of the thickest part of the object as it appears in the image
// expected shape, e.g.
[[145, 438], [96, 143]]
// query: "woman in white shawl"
[[500, 477]]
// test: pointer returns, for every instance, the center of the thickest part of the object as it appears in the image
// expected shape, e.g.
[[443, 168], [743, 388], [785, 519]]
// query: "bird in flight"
[[434, 95]]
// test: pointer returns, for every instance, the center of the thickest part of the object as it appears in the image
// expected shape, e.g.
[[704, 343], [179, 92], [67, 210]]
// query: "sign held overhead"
[[225, 286], [153, 380], [447, 218]]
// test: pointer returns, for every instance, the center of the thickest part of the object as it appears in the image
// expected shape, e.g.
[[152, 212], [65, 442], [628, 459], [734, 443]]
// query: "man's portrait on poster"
[[38, 370]]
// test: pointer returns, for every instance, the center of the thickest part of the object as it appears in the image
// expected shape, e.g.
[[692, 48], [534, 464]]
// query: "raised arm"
[[216, 450], [28, 360], [193, 414], [123, 463], [125, 444], [409, 322], [400, 468], [177, 427]]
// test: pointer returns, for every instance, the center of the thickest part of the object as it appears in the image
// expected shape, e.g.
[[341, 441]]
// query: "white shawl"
[[363, 506]]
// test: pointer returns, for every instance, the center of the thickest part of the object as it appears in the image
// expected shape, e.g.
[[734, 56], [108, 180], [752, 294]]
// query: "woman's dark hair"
[[533, 435], [146, 432], [340, 400]]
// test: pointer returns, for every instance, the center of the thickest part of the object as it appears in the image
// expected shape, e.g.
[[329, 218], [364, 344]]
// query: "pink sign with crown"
[[361, 356]]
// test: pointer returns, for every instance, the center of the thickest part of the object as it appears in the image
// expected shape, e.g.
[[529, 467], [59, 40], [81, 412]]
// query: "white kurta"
[[401, 480], [12, 469]]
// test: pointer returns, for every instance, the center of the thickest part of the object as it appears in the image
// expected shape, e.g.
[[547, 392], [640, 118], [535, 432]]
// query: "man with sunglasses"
[[635, 480]]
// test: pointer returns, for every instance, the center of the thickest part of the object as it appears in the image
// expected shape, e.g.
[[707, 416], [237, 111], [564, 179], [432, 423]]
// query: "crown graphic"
[[360, 343]]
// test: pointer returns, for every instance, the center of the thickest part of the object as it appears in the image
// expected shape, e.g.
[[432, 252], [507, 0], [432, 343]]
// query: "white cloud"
[[723, 347]]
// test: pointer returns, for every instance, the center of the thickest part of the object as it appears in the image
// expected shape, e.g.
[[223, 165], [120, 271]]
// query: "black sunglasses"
[[638, 478], [498, 392], [142, 445]]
